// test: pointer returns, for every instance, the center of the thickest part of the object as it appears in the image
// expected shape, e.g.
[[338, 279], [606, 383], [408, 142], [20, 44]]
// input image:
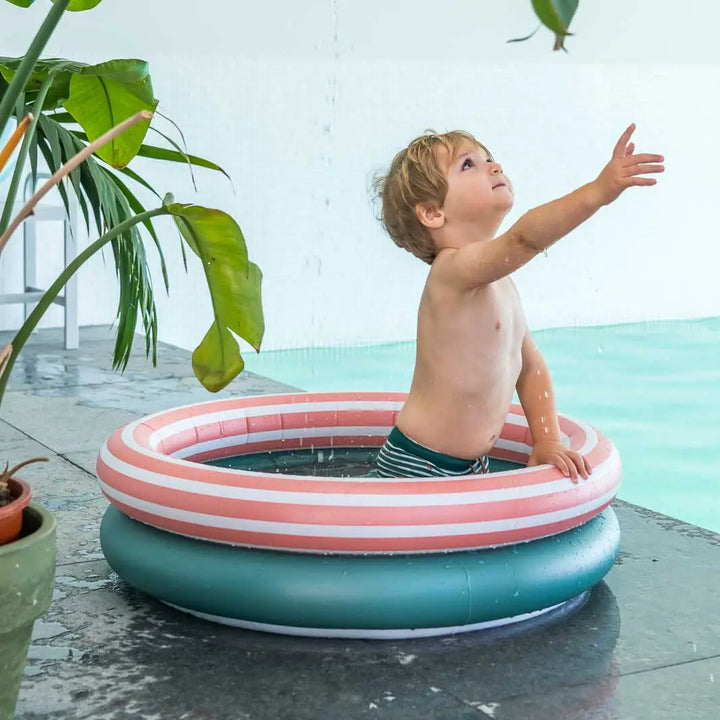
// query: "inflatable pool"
[[372, 597], [348, 556], [152, 470]]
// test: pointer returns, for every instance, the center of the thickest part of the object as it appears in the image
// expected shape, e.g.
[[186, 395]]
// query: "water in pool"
[[653, 388], [321, 462]]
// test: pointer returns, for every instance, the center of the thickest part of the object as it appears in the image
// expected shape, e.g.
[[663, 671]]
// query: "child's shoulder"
[[444, 276]]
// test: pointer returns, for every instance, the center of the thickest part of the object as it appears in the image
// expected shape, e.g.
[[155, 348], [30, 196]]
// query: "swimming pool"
[[652, 387]]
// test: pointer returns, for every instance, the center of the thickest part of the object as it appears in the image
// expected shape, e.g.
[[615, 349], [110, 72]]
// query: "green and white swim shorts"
[[402, 457]]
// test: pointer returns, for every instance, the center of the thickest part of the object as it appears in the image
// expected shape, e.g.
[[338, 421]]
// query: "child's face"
[[477, 187]]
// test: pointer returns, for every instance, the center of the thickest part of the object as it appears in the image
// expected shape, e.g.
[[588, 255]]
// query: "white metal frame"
[[32, 293]]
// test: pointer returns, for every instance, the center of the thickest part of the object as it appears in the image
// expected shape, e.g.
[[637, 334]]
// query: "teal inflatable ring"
[[360, 596]]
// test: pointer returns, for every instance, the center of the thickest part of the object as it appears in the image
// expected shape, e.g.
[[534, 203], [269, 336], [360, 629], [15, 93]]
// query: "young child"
[[443, 200]]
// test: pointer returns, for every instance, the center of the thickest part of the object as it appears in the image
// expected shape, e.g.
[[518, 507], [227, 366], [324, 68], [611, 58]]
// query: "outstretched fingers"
[[621, 146], [644, 158], [645, 165]]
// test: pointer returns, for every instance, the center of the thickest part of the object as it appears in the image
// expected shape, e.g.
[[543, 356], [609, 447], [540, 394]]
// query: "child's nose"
[[496, 168]]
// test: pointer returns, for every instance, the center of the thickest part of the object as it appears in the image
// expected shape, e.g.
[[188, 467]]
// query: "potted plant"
[[27, 568], [67, 112]]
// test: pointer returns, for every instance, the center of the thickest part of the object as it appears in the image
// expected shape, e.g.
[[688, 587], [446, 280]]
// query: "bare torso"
[[468, 361]]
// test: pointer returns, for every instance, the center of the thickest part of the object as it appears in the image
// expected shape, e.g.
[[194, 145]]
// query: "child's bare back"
[[444, 199]]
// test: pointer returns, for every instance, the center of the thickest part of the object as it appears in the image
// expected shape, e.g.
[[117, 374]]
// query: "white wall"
[[303, 102]]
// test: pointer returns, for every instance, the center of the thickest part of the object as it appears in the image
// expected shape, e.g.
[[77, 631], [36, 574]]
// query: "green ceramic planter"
[[27, 569]]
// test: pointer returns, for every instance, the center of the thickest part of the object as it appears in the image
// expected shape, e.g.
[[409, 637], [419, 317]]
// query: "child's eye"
[[467, 163]]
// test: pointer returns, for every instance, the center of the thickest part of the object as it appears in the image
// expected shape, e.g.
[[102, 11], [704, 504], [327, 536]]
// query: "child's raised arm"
[[478, 264]]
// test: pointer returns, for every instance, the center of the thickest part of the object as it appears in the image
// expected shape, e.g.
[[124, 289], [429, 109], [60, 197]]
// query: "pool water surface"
[[652, 387]]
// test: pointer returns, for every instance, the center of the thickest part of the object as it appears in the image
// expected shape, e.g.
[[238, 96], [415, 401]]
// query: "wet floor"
[[646, 643]]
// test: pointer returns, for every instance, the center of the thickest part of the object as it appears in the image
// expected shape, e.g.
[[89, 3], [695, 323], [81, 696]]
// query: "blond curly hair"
[[417, 175]]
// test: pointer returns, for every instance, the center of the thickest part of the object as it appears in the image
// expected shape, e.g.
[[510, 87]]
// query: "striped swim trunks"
[[402, 457]]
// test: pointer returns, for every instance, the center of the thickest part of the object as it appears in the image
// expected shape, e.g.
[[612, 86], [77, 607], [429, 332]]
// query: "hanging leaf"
[[80, 5], [526, 37], [556, 15], [22, 3], [235, 290], [103, 95]]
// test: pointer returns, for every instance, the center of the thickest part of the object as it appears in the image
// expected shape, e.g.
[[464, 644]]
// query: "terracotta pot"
[[11, 515]]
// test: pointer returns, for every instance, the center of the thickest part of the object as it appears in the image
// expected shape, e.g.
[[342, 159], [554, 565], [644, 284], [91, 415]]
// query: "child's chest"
[[487, 324]]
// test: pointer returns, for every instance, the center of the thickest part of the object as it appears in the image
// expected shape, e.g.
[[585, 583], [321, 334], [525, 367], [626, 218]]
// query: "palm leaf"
[[136, 293], [180, 151], [138, 208], [32, 156], [63, 117], [69, 150], [97, 186], [160, 153], [50, 156], [134, 176]]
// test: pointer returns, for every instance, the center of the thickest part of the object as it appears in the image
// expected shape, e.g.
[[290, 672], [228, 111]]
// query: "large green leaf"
[[74, 6], [235, 290], [101, 96], [556, 15], [61, 70], [80, 5]]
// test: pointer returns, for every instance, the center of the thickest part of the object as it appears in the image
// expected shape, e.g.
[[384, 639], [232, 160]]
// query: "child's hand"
[[552, 452], [622, 171]]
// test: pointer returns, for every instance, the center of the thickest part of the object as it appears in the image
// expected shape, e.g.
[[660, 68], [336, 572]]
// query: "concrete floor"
[[646, 644]]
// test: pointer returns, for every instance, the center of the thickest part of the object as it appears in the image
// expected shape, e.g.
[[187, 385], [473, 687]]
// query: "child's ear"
[[430, 216]]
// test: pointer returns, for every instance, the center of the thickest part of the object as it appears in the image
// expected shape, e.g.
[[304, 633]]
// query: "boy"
[[443, 200]]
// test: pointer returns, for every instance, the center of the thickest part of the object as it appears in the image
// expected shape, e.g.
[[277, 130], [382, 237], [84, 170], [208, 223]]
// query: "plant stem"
[[24, 150], [53, 291], [20, 78], [68, 167]]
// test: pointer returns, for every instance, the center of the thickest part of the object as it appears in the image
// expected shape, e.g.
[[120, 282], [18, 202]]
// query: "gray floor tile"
[[85, 459], [16, 446], [666, 582], [690, 691], [62, 424]]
